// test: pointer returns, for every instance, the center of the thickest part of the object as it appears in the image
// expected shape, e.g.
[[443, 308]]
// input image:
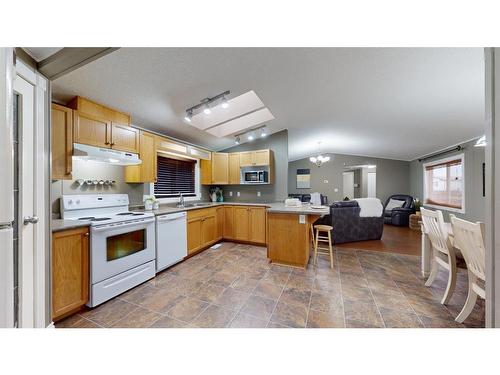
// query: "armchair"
[[399, 216]]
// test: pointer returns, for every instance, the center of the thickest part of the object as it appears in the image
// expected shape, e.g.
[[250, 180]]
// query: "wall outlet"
[[325, 181], [336, 190], [302, 219], [230, 193], [258, 193], [238, 194]]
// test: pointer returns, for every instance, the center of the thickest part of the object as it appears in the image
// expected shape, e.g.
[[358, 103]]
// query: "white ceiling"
[[396, 103]]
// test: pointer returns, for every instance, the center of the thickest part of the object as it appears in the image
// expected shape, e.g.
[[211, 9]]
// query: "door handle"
[[30, 220]]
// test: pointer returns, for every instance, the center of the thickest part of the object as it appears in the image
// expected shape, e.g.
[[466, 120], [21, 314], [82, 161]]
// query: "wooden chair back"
[[434, 227], [469, 238]]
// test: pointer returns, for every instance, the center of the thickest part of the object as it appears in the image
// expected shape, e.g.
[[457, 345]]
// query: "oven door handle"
[[123, 225]]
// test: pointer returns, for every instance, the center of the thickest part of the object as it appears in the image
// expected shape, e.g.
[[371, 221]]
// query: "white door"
[[348, 183], [372, 185], [26, 117]]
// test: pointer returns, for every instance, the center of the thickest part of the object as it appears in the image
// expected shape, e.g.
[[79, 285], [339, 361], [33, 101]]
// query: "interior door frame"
[[350, 173], [368, 174], [36, 308]]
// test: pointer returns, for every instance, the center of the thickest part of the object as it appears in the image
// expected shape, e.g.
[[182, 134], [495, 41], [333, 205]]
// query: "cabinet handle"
[[106, 143], [87, 234], [112, 143]]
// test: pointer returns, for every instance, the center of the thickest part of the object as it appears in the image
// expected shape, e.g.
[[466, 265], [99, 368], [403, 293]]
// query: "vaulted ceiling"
[[396, 103]]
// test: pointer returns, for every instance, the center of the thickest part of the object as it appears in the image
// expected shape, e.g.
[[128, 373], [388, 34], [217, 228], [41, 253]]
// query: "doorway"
[[348, 184], [372, 185]]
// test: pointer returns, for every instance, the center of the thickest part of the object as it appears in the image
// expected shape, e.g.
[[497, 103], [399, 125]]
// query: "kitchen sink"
[[197, 204]]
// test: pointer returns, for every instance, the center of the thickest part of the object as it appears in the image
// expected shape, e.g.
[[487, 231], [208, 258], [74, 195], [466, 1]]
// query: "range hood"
[[104, 155]]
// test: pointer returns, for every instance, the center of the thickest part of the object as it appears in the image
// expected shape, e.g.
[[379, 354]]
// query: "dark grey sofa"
[[348, 226]]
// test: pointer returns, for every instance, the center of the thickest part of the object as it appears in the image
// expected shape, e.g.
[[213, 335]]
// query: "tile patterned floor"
[[235, 286]]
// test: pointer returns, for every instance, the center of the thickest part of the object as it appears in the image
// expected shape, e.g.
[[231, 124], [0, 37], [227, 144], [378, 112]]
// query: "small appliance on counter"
[[293, 202], [122, 243]]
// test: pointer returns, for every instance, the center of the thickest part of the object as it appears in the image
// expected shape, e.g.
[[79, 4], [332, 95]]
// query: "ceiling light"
[[481, 142], [237, 139], [250, 137], [189, 115], [263, 133], [206, 109], [320, 159], [224, 104]]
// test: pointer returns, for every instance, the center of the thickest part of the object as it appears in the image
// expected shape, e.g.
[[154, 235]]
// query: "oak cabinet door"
[[246, 159], [220, 168], [219, 219], [146, 171], [90, 130], [194, 235], [261, 157], [208, 230], [70, 271], [124, 138], [206, 172], [241, 223], [257, 224], [228, 222], [62, 142], [234, 168]]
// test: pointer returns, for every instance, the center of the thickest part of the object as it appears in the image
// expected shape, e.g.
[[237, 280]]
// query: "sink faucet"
[[181, 201]]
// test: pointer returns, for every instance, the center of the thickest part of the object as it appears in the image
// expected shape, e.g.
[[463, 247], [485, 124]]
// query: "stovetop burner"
[[93, 218]]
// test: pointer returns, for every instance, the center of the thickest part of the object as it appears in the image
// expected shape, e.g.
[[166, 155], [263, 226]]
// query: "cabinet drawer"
[[202, 212]]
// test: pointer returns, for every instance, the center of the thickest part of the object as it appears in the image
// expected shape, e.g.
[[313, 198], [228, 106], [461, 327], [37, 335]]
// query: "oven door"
[[118, 247]]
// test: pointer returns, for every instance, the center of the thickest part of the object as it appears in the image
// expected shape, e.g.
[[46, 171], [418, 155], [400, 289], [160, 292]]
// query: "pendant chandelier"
[[320, 159]]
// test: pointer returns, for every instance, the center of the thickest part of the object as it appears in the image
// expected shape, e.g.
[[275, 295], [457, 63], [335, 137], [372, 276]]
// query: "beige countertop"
[[276, 207], [59, 224]]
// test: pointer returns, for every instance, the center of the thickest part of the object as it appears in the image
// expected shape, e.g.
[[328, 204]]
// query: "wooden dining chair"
[[443, 253], [469, 238]]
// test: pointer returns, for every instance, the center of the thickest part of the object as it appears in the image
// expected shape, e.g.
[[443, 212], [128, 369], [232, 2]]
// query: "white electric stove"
[[122, 243]]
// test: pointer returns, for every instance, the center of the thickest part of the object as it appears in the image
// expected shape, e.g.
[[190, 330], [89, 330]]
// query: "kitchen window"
[[444, 184], [175, 177]]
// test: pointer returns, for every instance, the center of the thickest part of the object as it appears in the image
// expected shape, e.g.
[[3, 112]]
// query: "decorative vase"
[[148, 205]]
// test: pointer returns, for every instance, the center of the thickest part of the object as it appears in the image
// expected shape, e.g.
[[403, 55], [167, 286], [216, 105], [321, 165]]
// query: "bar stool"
[[326, 239]]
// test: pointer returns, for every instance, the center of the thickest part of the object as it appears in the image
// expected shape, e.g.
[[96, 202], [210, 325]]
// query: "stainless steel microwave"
[[255, 177]]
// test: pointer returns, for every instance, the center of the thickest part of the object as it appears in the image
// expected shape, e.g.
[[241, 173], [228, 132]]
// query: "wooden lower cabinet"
[[70, 271], [257, 224], [228, 231], [219, 220], [241, 222], [201, 229], [206, 226]]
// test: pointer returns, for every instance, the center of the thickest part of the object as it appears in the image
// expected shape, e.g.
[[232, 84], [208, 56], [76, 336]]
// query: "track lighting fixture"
[[189, 115], [250, 137], [237, 139], [224, 103], [205, 105], [263, 132]]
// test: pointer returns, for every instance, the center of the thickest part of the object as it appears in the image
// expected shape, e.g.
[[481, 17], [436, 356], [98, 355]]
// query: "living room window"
[[444, 184], [175, 177]]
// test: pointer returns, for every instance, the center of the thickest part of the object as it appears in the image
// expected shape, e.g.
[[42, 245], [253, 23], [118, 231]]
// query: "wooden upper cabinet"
[[228, 222], [124, 138], [257, 224], [206, 172], [146, 171], [262, 157], [240, 226], [89, 107], [220, 168], [91, 130], [62, 142], [70, 271], [246, 159], [255, 158], [234, 168]]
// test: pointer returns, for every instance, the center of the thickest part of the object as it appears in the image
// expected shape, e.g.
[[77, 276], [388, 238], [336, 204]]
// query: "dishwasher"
[[171, 239]]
